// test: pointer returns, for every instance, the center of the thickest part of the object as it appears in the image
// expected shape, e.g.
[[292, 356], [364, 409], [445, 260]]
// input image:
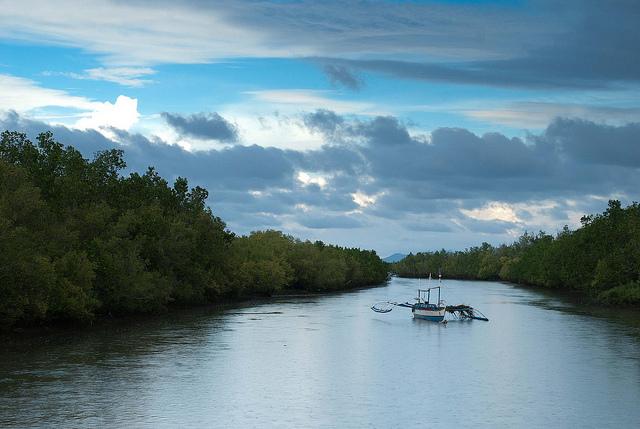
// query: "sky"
[[399, 126]]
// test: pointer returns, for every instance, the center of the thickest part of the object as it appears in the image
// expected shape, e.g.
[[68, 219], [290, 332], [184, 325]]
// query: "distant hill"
[[394, 258]]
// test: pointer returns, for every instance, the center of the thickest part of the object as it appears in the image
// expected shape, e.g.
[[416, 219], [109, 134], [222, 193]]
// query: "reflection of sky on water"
[[331, 362]]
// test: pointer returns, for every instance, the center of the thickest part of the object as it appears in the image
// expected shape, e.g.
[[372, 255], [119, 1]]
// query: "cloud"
[[383, 130], [122, 114], [88, 141], [295, 100], [195, 32], [23, 95], [491, 227], [592, 143], [27, 97], [587, 45], [493, 210], [135, 33], [445, 188], [323, 120], [429, 226], [493, 73], [569, 159], [534, 114], [206, 126], [341, 75], [363, 200], [307, 179], [531, 44], [126, 76], [329, 221]]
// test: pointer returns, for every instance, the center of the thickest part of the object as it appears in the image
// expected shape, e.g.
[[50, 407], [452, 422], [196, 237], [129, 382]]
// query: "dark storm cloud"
[[535, 43], [236, 167], [341, 75], [504, 73], [206, 126], [383, 130], [331, 158], [570, 157], [596, 144], [86, 141], [389, 28], [590, 45], [324, 121]]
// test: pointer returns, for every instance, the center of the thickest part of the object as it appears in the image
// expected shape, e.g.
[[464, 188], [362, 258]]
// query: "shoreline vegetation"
[[600, 260], [79, 240]]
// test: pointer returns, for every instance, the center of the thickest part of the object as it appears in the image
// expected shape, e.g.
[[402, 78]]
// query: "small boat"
[[425, 309]]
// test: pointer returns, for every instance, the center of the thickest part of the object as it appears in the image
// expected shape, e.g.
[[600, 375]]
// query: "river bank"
[[120, 322]]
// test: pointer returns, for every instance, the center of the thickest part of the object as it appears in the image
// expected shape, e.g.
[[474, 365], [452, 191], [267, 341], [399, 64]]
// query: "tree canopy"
[[79, 239], [600, 259]]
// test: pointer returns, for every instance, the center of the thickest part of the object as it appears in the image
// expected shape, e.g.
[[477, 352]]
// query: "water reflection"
[[331, 362]]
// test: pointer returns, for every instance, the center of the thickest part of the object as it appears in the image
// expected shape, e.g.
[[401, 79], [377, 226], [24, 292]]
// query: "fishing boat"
[[425, 309], [436, 311]]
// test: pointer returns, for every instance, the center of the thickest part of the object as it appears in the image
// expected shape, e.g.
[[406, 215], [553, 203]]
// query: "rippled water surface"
[[331, 362]]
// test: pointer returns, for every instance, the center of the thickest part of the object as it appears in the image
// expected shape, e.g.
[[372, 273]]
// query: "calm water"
[[331, 362]]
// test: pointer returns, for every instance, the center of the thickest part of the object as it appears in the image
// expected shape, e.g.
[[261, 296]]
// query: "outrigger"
[[427, 310]]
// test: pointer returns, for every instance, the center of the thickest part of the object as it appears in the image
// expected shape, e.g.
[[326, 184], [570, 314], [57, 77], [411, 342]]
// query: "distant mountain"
[[394, 258]]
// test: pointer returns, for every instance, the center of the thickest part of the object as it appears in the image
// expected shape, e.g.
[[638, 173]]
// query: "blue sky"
[[398, 126]]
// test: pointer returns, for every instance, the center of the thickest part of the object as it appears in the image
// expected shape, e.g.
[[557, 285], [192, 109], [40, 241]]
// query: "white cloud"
[[273, 118], [126, 76], [308, 99], [364, 200], [122, 114], [30, 99], [307, 179], [134, 33], [24, 95], [532, 114], [197, 32], [494, 210], [273, 130]]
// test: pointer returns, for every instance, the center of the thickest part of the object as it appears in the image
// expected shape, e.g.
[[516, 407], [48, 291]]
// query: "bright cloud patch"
[[311, 179], [540, 114], [363, 200], [127, 76], [122, 114], [493, 211], [30, 99], [306, 99], [24, 95]]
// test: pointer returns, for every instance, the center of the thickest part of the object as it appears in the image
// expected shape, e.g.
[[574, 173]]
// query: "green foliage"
[[600, 259], [620, 295], [259, 263], [78, 239]]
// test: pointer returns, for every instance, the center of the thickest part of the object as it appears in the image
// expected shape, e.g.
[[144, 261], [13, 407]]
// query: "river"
[[331, 362]]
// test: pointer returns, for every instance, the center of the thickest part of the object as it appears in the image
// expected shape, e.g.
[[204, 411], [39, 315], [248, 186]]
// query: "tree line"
[[79, 239], [601, 259]]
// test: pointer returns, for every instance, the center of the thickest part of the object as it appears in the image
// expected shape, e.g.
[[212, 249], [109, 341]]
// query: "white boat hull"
[[432, 315]]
